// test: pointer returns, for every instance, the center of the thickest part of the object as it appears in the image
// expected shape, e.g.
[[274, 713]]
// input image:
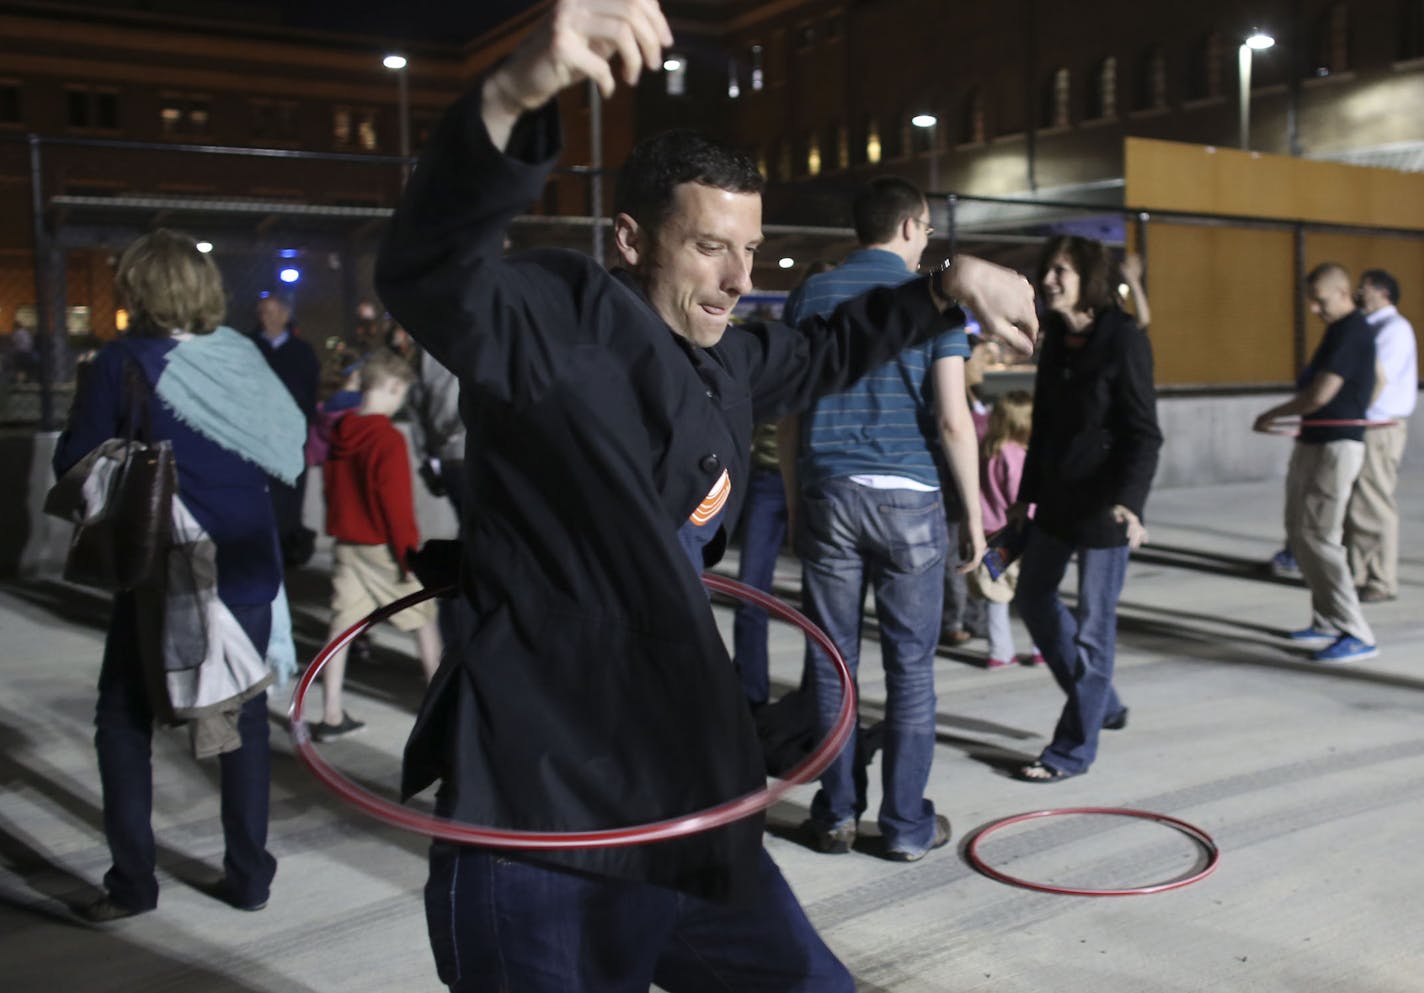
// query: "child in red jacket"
[[370, 511]]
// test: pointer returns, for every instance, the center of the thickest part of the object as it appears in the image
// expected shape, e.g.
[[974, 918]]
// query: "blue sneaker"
[[1313, 636], [1283, 564], [1346, 648]]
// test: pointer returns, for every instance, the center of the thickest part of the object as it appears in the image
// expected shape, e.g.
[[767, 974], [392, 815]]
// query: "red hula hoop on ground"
[[1190, 830], [396, 815]]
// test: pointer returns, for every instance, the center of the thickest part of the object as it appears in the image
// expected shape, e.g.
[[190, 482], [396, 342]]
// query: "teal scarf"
[[220, 386]]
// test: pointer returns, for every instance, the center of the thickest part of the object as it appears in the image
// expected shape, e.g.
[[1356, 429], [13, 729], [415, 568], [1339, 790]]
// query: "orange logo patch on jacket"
[[714, 501]]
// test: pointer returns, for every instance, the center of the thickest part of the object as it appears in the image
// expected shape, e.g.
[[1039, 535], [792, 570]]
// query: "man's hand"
[[971, 549], [576, 40], [1136, 533], [1265, 424], [1001, 299]]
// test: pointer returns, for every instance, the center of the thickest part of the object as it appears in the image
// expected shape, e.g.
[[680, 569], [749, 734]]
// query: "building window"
[[274, 120], [1102, 94], [1056, 94], [734, 84], [976, 126], [9, 102], [872, 141], [805, 37], [367, 137], [1204, 81], [341, 127], [182, 115], [90, 109], [842, 134], [813, 156], [1332, 40], [1152, 80], [758, 77]]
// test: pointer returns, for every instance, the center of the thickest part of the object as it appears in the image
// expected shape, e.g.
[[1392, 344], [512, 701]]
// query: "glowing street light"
[[672, 65], [930, 123], [1256, 41], [289, 275], [397, 64], [204, 246], [786, 262]]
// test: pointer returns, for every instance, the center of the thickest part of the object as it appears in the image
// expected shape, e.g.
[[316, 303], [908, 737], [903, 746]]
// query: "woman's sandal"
[[1040, 772]]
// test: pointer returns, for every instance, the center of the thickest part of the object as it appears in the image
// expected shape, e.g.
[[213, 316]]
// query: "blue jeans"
[[1078, 645], [763, 533], [499, 923], [123, 722], [893, 542]]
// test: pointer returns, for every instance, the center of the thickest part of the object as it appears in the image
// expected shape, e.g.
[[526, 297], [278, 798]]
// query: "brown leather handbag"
[[120, 496]]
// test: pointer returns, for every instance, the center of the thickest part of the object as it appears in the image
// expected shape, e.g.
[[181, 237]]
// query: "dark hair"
[[1382, 280], [1089, 259], [881, 205], [661, 163]]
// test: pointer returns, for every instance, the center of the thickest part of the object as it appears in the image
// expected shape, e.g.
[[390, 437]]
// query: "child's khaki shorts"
[[365, 577]]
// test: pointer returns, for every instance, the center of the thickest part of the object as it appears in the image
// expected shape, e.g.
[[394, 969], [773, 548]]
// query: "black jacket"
[[1095, 436], [594, 690]]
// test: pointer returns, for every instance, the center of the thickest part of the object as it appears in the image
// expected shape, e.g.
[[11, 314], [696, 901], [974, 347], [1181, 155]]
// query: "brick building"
[[1028, 97]]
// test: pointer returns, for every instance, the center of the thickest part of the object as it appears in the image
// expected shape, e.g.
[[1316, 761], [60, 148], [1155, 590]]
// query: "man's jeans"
[[1078, 645], [499, 923], [765, 530], [894, 542]]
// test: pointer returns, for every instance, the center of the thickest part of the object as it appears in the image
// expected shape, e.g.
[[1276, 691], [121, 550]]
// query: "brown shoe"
[[1377, 596], [940, 839]]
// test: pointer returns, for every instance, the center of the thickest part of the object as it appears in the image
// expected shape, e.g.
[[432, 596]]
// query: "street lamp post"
[[1258, 41], [931, 124], [397, 64]]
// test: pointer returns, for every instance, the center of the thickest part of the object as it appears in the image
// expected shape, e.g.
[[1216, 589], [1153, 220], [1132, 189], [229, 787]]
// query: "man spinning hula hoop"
[[610, 417]]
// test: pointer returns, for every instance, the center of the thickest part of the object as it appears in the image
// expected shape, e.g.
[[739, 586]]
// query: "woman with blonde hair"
[[195, 644]]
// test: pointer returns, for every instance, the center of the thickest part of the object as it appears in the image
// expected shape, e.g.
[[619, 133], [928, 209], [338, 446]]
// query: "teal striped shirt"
[[885, 424]]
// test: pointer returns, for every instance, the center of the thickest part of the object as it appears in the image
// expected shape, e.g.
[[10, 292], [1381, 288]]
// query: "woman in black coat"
[[1090, 463]]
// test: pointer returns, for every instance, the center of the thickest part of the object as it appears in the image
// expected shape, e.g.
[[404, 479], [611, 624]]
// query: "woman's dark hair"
[[1089, 259], [663, 162]]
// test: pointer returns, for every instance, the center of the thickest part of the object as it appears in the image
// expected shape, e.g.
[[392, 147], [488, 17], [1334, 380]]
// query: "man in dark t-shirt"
[[1334, 390]]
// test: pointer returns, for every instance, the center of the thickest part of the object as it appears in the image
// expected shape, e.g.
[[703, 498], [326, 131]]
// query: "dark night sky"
[[406, 20]]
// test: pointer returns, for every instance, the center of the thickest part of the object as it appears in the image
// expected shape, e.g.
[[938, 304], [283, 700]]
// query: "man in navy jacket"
[[610, 419]]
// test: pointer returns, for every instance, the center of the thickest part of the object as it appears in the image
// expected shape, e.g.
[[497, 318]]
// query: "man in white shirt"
[[1372, 518]]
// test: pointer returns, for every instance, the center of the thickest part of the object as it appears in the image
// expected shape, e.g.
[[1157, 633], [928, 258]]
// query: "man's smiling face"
[[698, 263]]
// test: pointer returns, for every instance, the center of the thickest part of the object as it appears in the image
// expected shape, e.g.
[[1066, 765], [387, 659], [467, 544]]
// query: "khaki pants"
[[1318, 487], [1372, 518]]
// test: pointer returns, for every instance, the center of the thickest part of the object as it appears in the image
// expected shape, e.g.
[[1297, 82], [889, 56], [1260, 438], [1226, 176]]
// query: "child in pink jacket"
[[1005, 447]]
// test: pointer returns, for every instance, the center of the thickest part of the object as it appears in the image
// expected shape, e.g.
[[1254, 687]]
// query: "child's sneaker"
[[1035, 659], [992, 663]]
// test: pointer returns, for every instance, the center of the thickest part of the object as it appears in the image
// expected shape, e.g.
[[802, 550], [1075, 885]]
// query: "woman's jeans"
[[1078, 645]]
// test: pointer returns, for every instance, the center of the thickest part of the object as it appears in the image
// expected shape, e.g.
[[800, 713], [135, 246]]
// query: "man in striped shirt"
[[870, 514]]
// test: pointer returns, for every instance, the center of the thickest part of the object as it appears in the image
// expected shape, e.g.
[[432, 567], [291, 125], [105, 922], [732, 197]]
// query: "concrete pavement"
[[1310, 778]]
